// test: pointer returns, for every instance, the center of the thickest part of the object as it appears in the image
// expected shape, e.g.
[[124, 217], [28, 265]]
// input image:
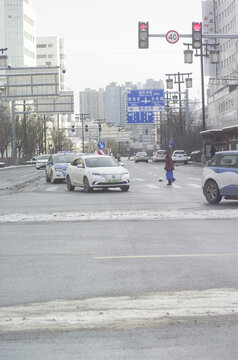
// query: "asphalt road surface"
[[147, 274]]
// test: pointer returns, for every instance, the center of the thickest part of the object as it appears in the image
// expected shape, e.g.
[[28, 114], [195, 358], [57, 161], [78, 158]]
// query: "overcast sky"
[[101, 39]]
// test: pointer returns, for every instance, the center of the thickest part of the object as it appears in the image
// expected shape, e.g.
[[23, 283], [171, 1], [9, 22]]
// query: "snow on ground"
[[183, 214], [123, 312]]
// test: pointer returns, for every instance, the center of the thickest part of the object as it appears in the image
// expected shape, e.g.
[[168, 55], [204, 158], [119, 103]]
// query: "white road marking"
[[52, 188], [177, 186], [161, 256], [195, 185], [191, 178], [137, 179], [152, 186], [125, 215], [122, 312]]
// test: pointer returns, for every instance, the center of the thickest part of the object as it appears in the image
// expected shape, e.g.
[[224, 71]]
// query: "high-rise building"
[[92, 102], [17, 32], [50, 52], [223, 90], [113, 104]]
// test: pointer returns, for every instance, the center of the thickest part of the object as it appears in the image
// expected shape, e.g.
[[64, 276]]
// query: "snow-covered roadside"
[[182, 214], [123, 312]]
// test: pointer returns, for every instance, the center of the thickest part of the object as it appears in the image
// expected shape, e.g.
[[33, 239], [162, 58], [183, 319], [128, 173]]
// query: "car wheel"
[[185, 162], [70, 187], [46, 177], [86, 186], [211, 192], [125, 188], [52, 180]]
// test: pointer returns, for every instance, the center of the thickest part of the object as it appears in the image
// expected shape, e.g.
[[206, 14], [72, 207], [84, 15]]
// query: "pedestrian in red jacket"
[[169, 168]]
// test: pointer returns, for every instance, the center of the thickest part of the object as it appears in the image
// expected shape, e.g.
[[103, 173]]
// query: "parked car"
[[220, 177], [56, 166], [160, 155], [97, 171], [180, 156], [31, 161], [2, 164], [141, 156], [196, 155], [41, 161]]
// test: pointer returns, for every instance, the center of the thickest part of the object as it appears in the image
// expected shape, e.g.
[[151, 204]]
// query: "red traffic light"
[[197, 26], [143, 26]]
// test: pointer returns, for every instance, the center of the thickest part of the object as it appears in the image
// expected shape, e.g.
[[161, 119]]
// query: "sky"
[[101, 39]]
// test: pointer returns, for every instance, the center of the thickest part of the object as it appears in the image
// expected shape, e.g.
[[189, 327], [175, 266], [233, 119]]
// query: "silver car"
[[42, 161], [141, 156]]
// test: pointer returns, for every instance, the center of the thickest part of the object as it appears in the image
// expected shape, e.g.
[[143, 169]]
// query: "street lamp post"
[[214, 59], [179, 79], [82, 117]]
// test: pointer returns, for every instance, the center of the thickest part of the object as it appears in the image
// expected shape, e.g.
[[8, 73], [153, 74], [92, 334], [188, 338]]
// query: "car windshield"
[[43, 157], [65, 158], [142, 153], [101, 162], [179, 152]]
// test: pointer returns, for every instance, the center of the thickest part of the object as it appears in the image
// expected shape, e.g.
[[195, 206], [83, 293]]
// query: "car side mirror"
[[121, 164]]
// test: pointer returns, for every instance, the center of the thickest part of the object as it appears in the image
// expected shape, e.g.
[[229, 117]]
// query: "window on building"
[[41, 45], [50, 45]]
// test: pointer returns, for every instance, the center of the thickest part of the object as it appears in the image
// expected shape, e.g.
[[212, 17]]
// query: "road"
[[147, 274]]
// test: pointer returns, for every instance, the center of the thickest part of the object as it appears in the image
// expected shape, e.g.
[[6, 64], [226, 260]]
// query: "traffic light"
[[146, 131], [196, 35], [86, 128], [72, 128], [143, 35], [100, 127]]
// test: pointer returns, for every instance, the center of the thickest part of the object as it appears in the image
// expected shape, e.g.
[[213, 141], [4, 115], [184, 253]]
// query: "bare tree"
[[60, 141], [5, 128], [28, 133]]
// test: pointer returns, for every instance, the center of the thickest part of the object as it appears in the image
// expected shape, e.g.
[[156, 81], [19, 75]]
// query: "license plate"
[[113, 180]]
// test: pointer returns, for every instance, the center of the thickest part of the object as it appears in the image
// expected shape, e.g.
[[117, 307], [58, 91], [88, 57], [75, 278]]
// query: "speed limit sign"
[[172, 36]]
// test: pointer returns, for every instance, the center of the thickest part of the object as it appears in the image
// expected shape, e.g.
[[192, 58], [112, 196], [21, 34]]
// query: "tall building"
[[50, 52], [113, 104], [223, 86], [17, 32], [92, 102]]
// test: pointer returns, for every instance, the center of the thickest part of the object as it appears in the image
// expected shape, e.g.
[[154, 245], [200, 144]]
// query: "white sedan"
[[97, 171], [180, 156]]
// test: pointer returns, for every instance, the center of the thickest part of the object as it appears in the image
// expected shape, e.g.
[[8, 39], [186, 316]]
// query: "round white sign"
[[172, 36]]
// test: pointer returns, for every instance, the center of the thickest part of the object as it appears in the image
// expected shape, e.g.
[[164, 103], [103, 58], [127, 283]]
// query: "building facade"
[[17, 32], [50, 52], [222, 96]]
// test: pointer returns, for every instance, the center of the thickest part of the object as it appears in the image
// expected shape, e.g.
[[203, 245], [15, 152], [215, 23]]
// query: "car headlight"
[[95, 174]]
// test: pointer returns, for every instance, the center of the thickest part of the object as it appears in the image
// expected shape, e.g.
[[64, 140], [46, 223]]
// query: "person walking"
[[169, 168]]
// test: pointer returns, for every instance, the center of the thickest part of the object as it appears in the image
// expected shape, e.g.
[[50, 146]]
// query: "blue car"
[[220, 177], [56, 166]]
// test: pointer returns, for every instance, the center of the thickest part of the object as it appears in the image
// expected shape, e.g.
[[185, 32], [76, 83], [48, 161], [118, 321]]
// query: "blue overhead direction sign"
[[141, 105]]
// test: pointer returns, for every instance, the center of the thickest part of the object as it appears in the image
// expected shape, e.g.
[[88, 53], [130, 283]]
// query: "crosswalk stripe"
[[52, 188], [195, 185]]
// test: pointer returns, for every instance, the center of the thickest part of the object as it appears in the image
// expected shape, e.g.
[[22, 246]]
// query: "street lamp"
[[189, 82], [188, 56], [169, 83], [214, 56], [214, 59], [179, 79]]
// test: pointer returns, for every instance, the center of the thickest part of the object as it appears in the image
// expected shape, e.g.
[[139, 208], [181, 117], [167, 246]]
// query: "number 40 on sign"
[[172, 36]]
